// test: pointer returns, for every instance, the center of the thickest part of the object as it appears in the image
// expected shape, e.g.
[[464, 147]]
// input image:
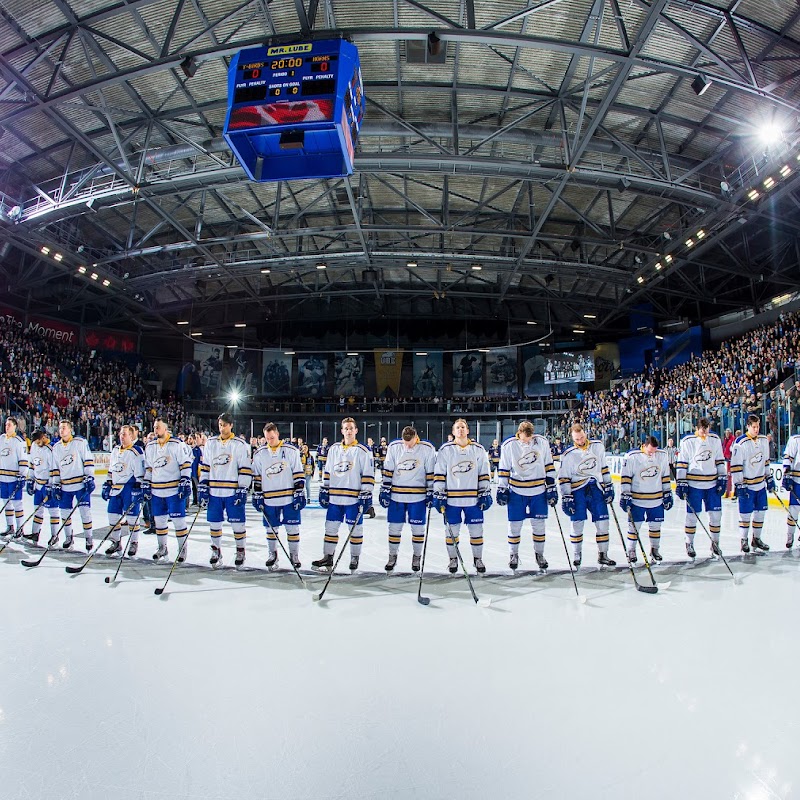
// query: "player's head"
[[127, 435], [225, 423], [11, 426], [524, 431], [272, 434], [409, 436], [160, 427], [39, 436], [349, 429], [460, 429], [578, 434], [136, 431], [65, 429], [650, 445], [753, 425], [703, 426]]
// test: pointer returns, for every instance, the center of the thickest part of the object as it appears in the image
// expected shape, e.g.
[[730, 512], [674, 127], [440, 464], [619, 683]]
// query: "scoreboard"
[[295, 110]]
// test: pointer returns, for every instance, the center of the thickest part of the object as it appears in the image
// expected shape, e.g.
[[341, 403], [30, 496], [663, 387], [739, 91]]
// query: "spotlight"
[[623, 184], [126, 276], [235, 396], [770, 133], [700, 85], [189, 66], [724, 187], [434, 44]]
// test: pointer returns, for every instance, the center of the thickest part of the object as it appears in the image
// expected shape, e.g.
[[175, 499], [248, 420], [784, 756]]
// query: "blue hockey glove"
[[137, 494], [258, 502], [56, 492], [667, 500], [30, 486], [739, 490], [298, 500], [625, 502], [682, 489], [105, 492], [503, 495], [770, 483], [722, 485], [787, 482], [440, 501], [608, 492], [324, 497], [147, 491], [551, 493], [203, 495], [429, 500], [484, 501], [184, 488], [88, 485], [385, 496], [365, 499], [568, 505], [240, 496]]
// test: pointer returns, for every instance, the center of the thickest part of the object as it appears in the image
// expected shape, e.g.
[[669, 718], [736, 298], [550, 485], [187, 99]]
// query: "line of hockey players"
[[454, 481]]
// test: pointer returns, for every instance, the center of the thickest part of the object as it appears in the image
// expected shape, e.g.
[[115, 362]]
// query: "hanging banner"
[[533, 372], [606, 364], [208, 364], [242, 369], [277, 378], [388, 369], [348, 375], [101, 339], [428, 375], [468, 374], [312, 376], [502, 378]]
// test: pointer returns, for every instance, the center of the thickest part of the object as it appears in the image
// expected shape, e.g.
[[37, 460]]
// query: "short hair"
[[270, 426], [525, 427], [461, 419], [13, 420], [349, 419], [159, 419], [703, 423], [409, 433], [38, 434], [130, 428], [751, 418], [576, 427], [651, 440], [66, 422], [226, 418]]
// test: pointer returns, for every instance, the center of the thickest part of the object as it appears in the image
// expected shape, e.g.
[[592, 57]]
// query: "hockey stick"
[[317, 597], [646, 589], [425, 601], [77, 570], [27, 520], [714, 546], [482, 602], [275, 534], [581, 598], [665, 584], [125, 549], [160, 590], [49, 547]]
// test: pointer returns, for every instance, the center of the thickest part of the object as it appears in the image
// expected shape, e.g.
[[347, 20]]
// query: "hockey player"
[[586, 487], [167, 484], [526, 484], [278, 484], [225, 476], [494, 457], [646, 494], [13, 469], [700, 479], [322, 456], [751, 482], [346, 492], [407, 491], [41, 473], [461, 490], [791, 484], [74, 481], [123, 490]]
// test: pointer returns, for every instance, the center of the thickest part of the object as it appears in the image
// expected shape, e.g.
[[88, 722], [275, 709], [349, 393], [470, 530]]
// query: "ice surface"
[[237, 685]]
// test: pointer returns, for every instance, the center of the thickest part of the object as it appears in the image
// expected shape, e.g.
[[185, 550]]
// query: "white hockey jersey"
[[409, 471], [13, 458], [125, 465], [349, 471], [579, 465], [645, 477], [791, 458], [525, 465], [41, 465], [750, 462], [462, 473], [226, 465], [276, 471], [74, 462], [165, 464], [700, 460]]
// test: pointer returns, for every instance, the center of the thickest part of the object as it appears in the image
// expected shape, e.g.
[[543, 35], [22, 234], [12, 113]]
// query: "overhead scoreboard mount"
[[295, 110]]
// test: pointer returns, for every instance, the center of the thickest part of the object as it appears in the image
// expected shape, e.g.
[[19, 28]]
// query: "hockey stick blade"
[[647, 589], [74, 570], [425, 601], [484, 602]]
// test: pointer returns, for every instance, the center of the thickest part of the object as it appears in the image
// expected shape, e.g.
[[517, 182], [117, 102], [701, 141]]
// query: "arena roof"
[[568, 158]]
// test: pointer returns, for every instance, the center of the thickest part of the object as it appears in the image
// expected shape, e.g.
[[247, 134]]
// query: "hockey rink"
[[235, 684]]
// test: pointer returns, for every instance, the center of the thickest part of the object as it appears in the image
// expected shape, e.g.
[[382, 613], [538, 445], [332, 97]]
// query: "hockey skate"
[[295, 559], [182, 555], [89, 544], [576, 561], [632, 559], [715, 551], [390, 564], [604, 561], [326, 562], [789, 540], [655, 554], [541, 562], [452, 567], [513, 562], [745, 546], [161, 554], [68, 543], [416, 562], [7, 533], [479, 565], [133, 549], [53, 540], [114, 548], [239, 560], [353, 563], [759, 544], [216, 557], [33, 538], [272, 561], [690, 550]]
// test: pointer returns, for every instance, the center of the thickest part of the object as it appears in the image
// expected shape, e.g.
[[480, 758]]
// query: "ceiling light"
[[352, 354], [753, 194], [770, 133], [231, 346], [700, 85], [58, 257], [45, 249], [420, 354], [265, 271], [183, 322], [690, 242], [769, 182], [786, 170], [322, 266], [484, 350], [240, 325], [590, 316], [660, 338], [189, 66], [82, 270], [196, 333], [578, 330], [658, 266], [106, 282], [476, 268], [668, 259], [94, 276], [531, 322], [411, 263], [289, 353], [701, 234], [640, 279]]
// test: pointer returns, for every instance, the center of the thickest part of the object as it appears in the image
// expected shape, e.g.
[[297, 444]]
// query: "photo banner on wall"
[[502, 377], [388, 369], [606, 364], [242, 370], [348, 374], [428, 375], [569, 368], [533, 372], [276, 380], [312, 376], [208, 364], [468, 373]]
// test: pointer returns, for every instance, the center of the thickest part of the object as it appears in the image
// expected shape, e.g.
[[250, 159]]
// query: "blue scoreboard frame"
[[294, 111]]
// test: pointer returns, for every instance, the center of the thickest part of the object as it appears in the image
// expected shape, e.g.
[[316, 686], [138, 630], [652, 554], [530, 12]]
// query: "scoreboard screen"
[[307, 94]]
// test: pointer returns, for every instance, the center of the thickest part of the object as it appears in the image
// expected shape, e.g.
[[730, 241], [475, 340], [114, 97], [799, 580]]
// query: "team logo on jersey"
[[529, 459], [703, 455], [161, 462], [6, 451], [588, 465], [462, 467], [342, 467], [757, 459], [67, 460], [37, 462], [407, 465], [118, 467], [649, 472], [274, 469], [221, 460]]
